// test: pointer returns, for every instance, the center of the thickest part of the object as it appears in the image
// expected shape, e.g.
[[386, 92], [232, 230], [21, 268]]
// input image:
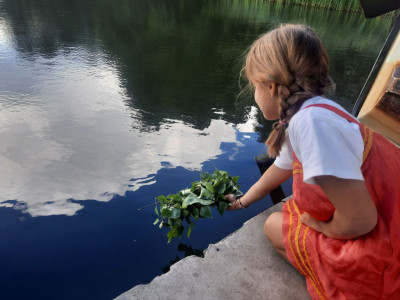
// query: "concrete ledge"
[[244, 265]]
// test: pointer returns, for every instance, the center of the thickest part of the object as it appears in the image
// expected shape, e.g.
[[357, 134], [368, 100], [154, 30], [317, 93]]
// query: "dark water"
[[105, 105]]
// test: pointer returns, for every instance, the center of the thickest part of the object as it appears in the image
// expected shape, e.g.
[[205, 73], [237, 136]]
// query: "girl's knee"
[[273, 226]]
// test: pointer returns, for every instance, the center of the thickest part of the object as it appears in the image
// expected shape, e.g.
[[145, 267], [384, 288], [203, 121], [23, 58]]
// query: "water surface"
[[105, 105]]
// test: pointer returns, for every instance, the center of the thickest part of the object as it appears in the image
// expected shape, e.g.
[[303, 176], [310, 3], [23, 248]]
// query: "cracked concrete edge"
[[243, 265]]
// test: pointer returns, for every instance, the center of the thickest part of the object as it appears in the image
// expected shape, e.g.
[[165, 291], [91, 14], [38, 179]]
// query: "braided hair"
[[292, 57]]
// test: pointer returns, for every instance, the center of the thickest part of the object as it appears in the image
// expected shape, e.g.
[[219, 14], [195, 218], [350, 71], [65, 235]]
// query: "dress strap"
[[335, 110], [366, 133]]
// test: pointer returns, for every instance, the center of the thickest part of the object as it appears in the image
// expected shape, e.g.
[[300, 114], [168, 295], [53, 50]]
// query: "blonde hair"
[[292, 57]]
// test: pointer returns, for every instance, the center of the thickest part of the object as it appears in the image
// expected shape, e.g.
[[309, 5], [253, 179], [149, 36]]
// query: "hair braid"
[[292, 57], [290, 101]]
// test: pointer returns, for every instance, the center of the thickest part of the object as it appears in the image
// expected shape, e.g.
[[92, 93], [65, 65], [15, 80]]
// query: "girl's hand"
[[308, 220], [355, 212], [234, 202], [271, 179]]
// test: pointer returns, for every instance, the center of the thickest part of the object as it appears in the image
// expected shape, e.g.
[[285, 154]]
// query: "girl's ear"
[[273, 89]]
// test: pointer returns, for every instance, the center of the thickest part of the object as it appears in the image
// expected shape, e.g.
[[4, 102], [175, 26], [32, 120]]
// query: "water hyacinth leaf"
[[176, 198], [184, 213], [206, 194], [192, 199], [195, 212], [229, 190], [228, 184], [176, 213], [190, 222], [180, 230], [222, 173], [161, 199], [238, 193], [173, 232], [156, 210], [219, 187], [185, 192], [222, 207], [205, 212], [165, 224], [156, 221], [209, 187], [196, 202], [204, 176], [166, 213], [170, 235], [216, 184], [194, 186], [235, 179]]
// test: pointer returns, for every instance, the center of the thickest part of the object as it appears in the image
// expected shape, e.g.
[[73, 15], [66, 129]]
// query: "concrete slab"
[[244, 265]]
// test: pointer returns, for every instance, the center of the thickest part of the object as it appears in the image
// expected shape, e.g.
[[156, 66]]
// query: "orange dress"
[[364, 268]]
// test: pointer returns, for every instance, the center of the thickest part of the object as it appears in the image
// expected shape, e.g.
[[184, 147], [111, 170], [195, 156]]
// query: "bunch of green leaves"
[[194, 203]]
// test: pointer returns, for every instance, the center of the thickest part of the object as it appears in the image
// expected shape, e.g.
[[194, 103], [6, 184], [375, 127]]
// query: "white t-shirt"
[[324, 142]]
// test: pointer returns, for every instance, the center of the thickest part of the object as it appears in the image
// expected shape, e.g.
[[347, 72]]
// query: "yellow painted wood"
[[377, 112]]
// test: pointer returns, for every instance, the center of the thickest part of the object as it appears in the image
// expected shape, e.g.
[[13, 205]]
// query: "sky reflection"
[[68, 134]]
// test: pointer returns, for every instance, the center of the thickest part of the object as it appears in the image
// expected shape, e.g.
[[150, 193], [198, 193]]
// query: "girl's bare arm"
[[355, 213], [271, 179]]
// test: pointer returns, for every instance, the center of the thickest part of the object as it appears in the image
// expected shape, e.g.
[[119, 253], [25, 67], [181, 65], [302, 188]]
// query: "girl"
[[341, 228]]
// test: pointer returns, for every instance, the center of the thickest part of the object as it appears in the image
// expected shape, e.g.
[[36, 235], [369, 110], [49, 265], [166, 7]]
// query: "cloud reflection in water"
[[71, 137]]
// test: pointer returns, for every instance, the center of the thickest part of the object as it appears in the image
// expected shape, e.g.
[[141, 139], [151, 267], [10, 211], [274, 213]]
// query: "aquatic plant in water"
[[194, 203]]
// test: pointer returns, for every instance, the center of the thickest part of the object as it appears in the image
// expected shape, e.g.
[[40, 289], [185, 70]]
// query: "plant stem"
[[155, 203]]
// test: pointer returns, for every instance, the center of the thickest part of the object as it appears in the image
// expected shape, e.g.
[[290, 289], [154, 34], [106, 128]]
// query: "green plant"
[[194, 203]]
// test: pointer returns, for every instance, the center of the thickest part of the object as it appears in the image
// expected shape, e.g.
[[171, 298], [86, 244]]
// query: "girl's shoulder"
[[313, 116], [319, 137], [308, 118], [317, 123]]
